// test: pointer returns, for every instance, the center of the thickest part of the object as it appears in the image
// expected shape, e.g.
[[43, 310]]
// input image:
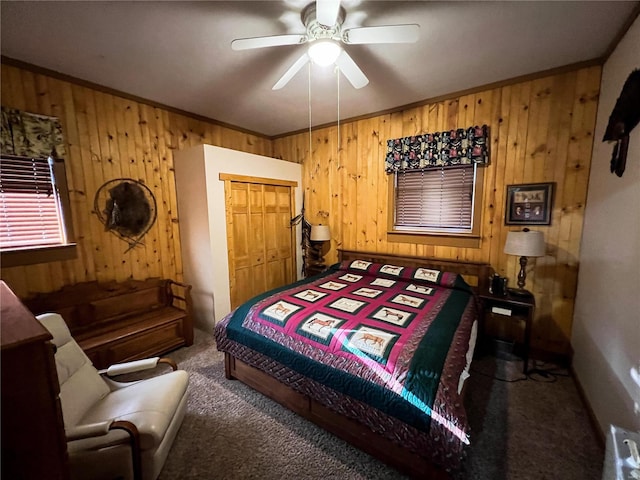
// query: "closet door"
[[260, 241]]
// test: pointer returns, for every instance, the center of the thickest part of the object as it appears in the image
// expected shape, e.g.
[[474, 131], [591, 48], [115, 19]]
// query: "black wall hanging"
[[126, 208], [624, 117], [306, 236]]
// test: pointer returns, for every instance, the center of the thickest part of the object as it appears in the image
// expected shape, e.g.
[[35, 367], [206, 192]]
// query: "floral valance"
[[31, 135], [441, 149]]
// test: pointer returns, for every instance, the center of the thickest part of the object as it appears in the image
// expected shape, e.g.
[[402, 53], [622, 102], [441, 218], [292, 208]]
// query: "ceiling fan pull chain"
[[310, 142], [338, 145]]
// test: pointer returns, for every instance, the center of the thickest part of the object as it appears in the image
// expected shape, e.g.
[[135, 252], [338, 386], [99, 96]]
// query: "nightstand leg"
[[527, 341]]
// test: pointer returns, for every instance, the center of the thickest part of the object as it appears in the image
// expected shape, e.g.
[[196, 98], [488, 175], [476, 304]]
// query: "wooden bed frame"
[[350, 430]]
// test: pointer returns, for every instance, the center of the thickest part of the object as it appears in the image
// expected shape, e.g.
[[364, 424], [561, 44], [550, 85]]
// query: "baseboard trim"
[[595, 425]]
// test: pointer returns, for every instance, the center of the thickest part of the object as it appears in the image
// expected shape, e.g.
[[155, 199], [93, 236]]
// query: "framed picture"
[[529, 204]]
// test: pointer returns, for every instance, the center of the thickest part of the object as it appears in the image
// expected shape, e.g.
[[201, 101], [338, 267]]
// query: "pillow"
[[417, 274]]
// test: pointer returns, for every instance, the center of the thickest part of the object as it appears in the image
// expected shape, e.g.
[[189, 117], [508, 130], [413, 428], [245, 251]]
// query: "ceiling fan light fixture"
[[324, 52]]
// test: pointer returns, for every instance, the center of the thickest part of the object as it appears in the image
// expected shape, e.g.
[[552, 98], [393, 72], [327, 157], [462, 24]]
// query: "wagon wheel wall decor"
[[126, 208]]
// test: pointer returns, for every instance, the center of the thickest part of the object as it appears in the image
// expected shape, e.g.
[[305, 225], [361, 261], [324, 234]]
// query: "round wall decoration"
[[126, 208]]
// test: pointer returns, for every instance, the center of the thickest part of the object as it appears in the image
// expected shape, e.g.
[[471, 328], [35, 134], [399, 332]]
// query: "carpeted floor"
[[521, 430]]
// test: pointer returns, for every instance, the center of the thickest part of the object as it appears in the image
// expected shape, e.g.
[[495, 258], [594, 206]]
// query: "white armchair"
[[115, 429]]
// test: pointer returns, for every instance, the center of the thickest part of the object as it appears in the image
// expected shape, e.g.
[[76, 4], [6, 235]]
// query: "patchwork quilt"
[[389, 337]]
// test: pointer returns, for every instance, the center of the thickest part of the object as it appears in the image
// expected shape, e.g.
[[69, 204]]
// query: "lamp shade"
[[320, 233], [525, 244]]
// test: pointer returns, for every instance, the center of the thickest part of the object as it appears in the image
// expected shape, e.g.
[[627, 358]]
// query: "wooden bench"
[[117, 322]]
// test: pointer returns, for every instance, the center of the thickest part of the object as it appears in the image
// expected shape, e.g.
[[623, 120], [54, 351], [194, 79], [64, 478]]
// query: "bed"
[[375, 350]]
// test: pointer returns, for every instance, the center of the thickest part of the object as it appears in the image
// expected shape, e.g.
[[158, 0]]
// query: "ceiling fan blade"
[[272, 41], [383, 34], [350, 70], [327, 12], [288, 75]]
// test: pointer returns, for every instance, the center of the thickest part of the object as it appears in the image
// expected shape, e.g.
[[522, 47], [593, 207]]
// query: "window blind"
[[30, 212], [435, 199]]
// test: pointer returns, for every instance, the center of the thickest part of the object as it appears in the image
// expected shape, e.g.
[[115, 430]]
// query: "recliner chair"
[[115, 429]]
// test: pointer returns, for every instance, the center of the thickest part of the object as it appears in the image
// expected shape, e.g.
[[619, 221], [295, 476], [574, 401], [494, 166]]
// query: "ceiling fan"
[[323, 21]]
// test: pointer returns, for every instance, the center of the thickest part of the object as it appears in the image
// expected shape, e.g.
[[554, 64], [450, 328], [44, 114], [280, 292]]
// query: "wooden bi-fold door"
[[260, 241]]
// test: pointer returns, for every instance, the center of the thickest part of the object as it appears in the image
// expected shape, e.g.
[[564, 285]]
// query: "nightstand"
[[510, 308], [314, 269]]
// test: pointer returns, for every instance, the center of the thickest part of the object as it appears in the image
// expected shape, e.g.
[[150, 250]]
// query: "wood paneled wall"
[[541, 131], [112, 137]]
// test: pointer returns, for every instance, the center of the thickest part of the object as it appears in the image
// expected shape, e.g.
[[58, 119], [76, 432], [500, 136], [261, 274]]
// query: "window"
[[34, 211], [437, 203]]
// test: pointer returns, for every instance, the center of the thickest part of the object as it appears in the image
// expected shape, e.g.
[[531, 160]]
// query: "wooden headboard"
[[475, 274]]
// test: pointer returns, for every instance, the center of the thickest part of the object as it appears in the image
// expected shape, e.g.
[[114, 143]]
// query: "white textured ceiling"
[[178, 53]]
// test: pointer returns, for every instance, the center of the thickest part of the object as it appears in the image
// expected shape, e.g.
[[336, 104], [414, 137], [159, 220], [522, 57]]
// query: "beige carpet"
[[522, 430]]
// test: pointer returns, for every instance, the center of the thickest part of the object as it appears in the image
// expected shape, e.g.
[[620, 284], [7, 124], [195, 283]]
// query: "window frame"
[[21, 256], [470, 239]]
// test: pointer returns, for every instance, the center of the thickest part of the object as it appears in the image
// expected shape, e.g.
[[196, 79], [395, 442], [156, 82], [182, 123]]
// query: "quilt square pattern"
[[347, 305], [408, 300], [280, 312], [319, 327], [331, 285], [309, 295], [422, 289], [391, 270], [427, 275], [319, 317], [383, 282], [360, 265], [393, 315], [350, 277], [375, 343], [367, 292]]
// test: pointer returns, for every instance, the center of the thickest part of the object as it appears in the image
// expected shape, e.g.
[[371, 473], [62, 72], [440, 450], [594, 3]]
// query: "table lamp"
[[525, 243], [319, 235]]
